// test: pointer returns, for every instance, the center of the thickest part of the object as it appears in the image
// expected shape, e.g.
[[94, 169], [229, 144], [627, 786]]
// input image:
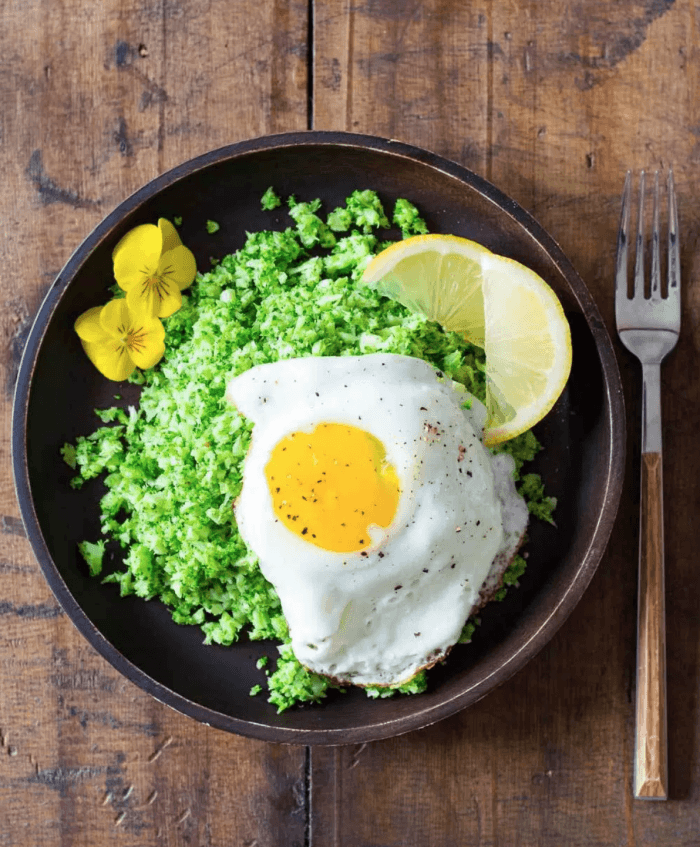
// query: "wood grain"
[[553, 107], [651, 744], [96, 100], [552, 103]]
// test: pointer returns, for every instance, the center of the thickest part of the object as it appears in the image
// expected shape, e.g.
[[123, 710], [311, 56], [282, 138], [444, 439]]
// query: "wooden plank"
[[96, 100], [400, 70], [553, 106]]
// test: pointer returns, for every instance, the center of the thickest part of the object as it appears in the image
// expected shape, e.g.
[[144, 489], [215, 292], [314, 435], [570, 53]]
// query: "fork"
[[649, 326]]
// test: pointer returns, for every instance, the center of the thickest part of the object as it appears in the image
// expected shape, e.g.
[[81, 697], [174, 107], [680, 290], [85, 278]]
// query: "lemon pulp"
[[496, 303]]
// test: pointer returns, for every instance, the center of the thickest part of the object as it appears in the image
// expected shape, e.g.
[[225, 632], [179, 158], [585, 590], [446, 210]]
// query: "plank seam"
[[310, 51], [307, 797]]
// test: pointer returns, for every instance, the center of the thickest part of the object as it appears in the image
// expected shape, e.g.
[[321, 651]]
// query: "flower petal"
[[88, 325], [170, 300], [171, 237], [154, 300], [136, 256], [143, 300], [110, 358], [146, 343], [179, 266], [115, 318]]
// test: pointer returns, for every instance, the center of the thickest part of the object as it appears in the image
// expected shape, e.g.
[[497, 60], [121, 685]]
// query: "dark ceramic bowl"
[[58, 389]]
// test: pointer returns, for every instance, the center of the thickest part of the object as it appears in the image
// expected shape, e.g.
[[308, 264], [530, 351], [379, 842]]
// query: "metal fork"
[[649, 328]]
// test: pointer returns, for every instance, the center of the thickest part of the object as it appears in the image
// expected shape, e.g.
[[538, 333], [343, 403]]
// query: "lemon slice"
[[497, 304]]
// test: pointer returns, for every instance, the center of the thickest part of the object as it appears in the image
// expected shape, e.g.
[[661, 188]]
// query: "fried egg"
[[373, 508]]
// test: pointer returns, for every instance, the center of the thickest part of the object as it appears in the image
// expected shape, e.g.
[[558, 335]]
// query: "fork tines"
[[673, 270], [648, 324]]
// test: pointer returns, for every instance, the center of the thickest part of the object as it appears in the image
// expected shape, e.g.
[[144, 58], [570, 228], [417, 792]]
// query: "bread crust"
[[492, 584]]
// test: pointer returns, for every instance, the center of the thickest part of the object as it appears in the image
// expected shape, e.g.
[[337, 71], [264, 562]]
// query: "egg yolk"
[[329, 485]]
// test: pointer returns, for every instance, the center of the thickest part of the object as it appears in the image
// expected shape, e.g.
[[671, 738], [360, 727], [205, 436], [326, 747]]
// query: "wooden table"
[[551, 102]]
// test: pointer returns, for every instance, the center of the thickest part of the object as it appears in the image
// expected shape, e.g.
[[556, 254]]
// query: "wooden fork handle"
[[651, 747]]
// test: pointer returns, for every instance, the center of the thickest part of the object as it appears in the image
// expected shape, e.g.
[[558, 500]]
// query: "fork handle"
[[651, 748]]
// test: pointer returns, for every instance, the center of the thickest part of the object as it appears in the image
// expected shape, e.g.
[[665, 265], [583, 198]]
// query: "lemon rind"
[[556, 322]]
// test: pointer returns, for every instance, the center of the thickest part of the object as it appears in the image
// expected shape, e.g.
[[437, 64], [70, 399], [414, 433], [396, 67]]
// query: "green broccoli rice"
[[173, 466]]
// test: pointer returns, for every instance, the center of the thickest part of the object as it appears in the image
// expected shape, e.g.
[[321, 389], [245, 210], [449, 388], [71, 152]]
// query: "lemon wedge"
[[495, 303]]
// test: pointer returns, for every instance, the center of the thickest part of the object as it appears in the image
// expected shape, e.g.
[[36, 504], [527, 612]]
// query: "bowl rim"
[[556, 614]]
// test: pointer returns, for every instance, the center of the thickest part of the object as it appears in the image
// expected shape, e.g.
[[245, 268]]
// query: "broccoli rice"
[[173, 466]]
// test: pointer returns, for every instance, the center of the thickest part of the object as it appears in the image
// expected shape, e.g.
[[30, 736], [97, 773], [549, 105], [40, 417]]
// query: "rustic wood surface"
[[552, 102]]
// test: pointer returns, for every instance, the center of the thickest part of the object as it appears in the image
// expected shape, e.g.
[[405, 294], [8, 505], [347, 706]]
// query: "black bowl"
[[57, 390]]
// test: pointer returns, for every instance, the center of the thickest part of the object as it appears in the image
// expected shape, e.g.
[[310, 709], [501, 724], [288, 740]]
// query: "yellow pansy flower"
[[118, 340], [153, 267]]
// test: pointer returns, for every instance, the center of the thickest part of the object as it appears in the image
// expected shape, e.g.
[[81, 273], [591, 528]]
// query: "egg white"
[[378, 616]]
